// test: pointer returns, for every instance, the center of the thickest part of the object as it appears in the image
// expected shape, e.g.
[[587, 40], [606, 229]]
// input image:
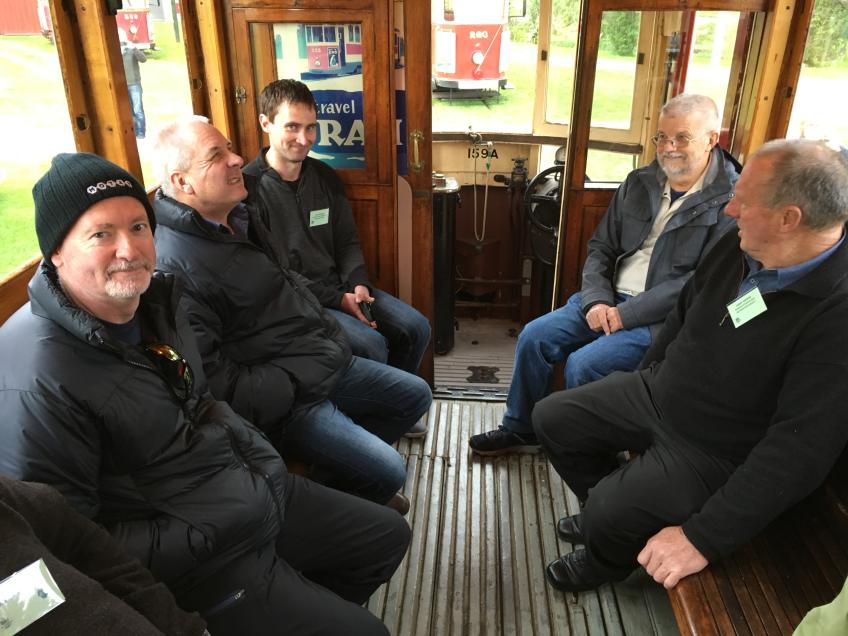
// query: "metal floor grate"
[[483, 530], [479, 367]]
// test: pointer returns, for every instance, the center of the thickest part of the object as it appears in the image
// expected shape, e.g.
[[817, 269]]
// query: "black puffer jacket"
[[184, 487], [268, 346]]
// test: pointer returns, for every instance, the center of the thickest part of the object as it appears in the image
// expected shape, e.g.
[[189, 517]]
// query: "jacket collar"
[[180, 217], [259, 167], [48, 300], [722, 171], [827, 276]]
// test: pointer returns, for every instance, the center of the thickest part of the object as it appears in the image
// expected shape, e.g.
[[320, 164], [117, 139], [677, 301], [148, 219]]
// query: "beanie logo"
[[111, 183]]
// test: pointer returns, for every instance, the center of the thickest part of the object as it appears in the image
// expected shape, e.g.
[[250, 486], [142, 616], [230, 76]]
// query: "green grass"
[[17, 226], [512, 109]]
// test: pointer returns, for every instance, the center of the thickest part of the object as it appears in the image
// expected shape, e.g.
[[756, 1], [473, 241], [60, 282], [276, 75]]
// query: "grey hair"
[[810, 174], [687, 103], [173, 149]]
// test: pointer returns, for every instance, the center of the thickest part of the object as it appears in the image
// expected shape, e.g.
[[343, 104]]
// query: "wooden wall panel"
[[13, 289], [376, 238], [585, 210]]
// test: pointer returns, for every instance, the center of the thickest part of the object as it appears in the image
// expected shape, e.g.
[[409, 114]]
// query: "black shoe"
[[577, 572], [500, 442], [571, 529], [399, 502]]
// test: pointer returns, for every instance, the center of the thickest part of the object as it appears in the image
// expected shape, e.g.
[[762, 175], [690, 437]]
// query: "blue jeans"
[[401, 336], [347, 437], [564, 335], [139, 121]]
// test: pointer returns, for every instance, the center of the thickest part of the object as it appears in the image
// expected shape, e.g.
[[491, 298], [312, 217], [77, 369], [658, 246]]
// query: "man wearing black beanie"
[[74, 183], [95, 227], [104, 397]]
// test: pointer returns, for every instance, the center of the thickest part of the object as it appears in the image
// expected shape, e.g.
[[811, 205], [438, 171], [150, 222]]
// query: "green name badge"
[[319, 217], [746, 307], [26, 596]]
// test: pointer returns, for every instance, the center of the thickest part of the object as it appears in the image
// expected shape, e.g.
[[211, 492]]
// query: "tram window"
[[561, 49], [484, 65], [816, 112], [614, 86], [36, 126], [607, 167], [711, 53], [164, 76], [644, 59]]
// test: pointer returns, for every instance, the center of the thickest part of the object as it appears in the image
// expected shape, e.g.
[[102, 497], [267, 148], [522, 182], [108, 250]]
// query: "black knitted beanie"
[[75, 182]]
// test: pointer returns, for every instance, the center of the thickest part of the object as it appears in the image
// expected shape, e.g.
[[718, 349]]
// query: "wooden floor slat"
[[483, 532]]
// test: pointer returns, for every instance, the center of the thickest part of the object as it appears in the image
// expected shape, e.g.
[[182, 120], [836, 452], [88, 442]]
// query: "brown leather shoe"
[[399, 502], [571, 529]]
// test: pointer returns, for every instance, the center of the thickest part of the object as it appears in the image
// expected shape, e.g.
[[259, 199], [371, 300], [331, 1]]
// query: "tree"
[[620, 32], [827, 42]]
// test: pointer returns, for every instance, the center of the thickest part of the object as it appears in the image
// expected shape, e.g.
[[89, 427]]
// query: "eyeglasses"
[[174, 367], [678, 141]]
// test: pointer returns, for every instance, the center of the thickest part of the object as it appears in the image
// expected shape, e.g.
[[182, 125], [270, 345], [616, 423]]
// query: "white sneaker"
[[418, 430]]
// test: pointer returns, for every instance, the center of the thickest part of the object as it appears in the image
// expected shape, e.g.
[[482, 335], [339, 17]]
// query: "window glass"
[[608, 167], [162, 93], [616, 70], [711, 53], [644, 53], [562, 50], [817, 112], [36, 126], [484, 65]]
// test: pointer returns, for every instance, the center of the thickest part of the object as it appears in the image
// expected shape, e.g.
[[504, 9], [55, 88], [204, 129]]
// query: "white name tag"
[[319, 217], [26, 596], [746, 307]]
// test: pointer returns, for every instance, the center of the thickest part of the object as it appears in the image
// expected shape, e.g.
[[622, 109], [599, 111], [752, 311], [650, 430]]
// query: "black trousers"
[[333, 552], [582, 429]]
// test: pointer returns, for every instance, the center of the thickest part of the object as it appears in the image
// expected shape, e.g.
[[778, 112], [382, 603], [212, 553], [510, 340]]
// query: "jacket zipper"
[[232, 599], [249, 467]]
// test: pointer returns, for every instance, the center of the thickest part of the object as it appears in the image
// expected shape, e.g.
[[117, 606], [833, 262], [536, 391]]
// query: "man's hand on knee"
[[668, 556], [614, 320], [596, 318]]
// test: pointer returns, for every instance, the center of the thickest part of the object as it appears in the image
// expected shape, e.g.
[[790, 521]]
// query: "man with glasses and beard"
[[660, 223], [103, 397]]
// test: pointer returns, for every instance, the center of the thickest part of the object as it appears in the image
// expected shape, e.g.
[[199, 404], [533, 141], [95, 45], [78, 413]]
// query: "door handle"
[[416, 165]]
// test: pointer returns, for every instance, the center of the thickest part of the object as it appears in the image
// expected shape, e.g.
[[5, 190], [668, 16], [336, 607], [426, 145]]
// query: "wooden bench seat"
[[766, 587]]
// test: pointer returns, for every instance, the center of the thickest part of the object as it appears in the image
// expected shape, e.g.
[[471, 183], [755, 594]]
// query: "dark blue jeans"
[[347, 438], [563, 335], [401, 336], [139, 121]]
